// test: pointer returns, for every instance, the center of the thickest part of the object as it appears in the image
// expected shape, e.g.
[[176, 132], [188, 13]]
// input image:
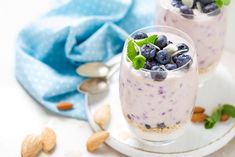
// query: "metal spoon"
[[94, 70], [97, 85]]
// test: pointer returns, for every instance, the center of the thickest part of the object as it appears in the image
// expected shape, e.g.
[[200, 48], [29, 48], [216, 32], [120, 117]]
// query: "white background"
[[19, 114]]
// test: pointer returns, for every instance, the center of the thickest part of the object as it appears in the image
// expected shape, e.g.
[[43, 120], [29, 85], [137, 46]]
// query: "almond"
[[198, 109], [224, 117], [102, 116], [198, 117], [65, 106], [95, 140], [48, 138], [31, 146]]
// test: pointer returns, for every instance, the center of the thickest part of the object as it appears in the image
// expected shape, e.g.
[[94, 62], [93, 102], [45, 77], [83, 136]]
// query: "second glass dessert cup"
[[159, 110]]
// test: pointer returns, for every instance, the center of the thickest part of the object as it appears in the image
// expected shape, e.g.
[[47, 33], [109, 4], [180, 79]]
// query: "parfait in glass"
[[158, 82]]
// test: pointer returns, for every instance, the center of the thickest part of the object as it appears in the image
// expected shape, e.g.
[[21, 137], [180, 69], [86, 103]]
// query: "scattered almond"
[[48, 138], [65, 106], [31, 146], [198, 109], [95, 140], [224, 117], [198, 117], [102, 116]]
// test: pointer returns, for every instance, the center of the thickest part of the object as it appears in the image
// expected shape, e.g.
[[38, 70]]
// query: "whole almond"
[[102, 116], [198, 109], [48, 138], [224, 117], [65, 106], [31, 146], [198, 117], [95, 140]]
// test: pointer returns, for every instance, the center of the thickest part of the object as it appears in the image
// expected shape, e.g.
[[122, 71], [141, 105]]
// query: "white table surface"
[[21, 115]]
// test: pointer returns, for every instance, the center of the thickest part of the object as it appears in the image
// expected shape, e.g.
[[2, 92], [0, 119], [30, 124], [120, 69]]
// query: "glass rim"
[[176, 10], [189, 40]]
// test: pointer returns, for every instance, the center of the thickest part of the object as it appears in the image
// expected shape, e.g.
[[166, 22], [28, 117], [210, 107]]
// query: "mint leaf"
[[209, 123], [213, 119], [131, 51], [150, 39], [138, 62], [219, 3], [226, 2], [229, 110]]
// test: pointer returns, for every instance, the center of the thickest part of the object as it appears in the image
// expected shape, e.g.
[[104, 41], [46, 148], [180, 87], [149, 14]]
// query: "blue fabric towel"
[[49, 50]]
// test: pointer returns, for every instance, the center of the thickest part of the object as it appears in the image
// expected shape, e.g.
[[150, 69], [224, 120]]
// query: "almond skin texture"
[[102, 116], [224, 117], [198, 109], [31, 146], [95, 140], [198, 117], [48, 138], [64, 106]]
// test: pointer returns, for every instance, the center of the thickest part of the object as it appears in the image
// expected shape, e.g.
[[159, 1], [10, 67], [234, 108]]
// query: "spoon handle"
[[113, 70]]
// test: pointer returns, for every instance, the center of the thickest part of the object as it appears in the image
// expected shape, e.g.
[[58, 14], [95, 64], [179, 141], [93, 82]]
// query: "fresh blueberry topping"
[[171, 66], [176, 3], [158, 73], [163, 57], [148, 51], [140, 35], [211, 9], [182, 47], [149, 64], [147, 126], [161, 41], [188, 12], [182, 60]]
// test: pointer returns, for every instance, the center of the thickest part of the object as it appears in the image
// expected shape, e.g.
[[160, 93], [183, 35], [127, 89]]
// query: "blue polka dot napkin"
[[49, 50]]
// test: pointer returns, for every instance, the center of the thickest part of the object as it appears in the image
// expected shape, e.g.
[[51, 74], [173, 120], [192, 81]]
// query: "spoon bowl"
[[94, 69], [94, 86]]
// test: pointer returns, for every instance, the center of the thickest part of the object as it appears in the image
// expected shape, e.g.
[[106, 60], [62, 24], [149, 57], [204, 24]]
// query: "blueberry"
[[182, 60], [161, 41], [149, 64], [205, 2], [187, 12], [163, 57], [147, 126], [171, 66], [182, 47], [158, 73], [148, 51], [140, 35], [176, 3], [211, 9], [161, 125]]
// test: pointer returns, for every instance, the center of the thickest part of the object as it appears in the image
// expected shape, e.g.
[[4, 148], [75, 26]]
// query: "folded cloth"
[[49, 50]]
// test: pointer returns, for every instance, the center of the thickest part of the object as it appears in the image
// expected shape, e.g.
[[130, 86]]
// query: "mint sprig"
[[138, 62], [229, 110], [221, 3], [151, 39], [131, 50], [215, 117]]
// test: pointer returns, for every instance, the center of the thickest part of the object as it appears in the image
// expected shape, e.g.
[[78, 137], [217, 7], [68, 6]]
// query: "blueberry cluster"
[[186, 7], [163, 55]]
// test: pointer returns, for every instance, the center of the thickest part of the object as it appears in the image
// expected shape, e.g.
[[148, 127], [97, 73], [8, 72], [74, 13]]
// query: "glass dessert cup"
[[158, 110], [206, 29]]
